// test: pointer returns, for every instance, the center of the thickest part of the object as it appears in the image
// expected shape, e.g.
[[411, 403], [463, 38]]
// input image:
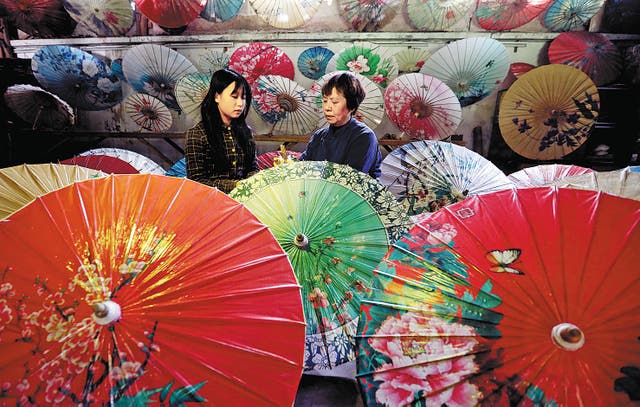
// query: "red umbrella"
[[102, 162], [146, 288], [519, 68], [269, 159], [502, 15], [171, 13], [260, 58], [40, 18]]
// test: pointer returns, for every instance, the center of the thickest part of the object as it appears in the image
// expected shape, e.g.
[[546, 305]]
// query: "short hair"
[[347, 84]]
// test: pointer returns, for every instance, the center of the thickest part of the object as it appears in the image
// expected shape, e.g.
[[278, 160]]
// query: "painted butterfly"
[[503, 259]]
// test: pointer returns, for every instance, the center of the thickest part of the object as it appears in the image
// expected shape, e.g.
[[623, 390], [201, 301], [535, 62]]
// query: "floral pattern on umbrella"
[[148, 112], [411, 60], [106, 18], [370, 60], [312, 62], [260, 58], [502, 15], [436, 15], [368, 15]]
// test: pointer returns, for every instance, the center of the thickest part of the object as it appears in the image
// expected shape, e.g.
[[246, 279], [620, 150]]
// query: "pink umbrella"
[[260, 58], [502, 15]]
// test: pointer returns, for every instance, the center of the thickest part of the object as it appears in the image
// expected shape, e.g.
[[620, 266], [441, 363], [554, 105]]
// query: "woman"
[[345, 140], [220, 150]]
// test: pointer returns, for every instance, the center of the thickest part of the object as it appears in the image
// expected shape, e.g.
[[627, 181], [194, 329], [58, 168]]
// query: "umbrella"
[[631, 168], [422, 106], [371, 109], [335, 223], [141, 163], [569, 15], [179, 169], [105, 18], [39, 18], [410, 60], [190, 91], [284, 104], [520, 297], [543, 174], [171, 13], [38, 107], [271, 158], [436, 15], [427, 175], [472, 67], [148, 112], [285, 13], [502, 15], [221, 10], [23, 183], [154, 69], [592, 53], [79, 78], [621, 183], [213, 60], [312, 62], [367, 15], [371, 60], [519, 68], [260, 58], [102, 162], [548, 112], [141, 288]]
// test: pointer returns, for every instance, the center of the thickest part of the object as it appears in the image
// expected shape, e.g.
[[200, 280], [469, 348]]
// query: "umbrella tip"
[[301, 242], [567, 336], [106, 312]]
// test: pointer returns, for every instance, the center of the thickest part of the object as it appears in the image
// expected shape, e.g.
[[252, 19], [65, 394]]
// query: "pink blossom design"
[[318, 298], [441, 234]]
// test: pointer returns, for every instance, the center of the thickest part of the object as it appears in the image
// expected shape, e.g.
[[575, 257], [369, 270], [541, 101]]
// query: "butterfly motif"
[[503, 259]]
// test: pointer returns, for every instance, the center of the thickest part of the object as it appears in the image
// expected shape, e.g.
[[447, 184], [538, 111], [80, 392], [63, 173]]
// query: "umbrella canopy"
[[367, 15], [427, 175], [39, 18], [502, 15], [270, 158], [410, 60], [312, 62], [171, 13], [21, 184], [213, 60], [284, 104], [371, 109], [544, 174], [472, 67], [371, 60], [148, 112], [569, 15], [190, 91], [621, 183], [436, 15], [102, 162], [520, 297], [422, 106], [38, 107], [143, 164], [285, 13], [104, 18], [519, 68], [219, 11], [592, 53], [335, 223], [140, 287], [79, 78], [260, 58], [154, 69], [548, 112], [179, 169]]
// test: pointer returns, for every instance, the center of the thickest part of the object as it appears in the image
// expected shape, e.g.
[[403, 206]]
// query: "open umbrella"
[[38, 107], [592, 53], [190, 91], [271, 158], [154, 69], [23, 183], [621, 183], [221, 10], [260, 58], [427, 175], [472, 67], [104, 18], [422, 106], [410, 60], [312, 62], [145, 287], [285, 13], [102, 162], [548, 112], [148, 112], [436, 15], [368, 15], [519, 68], [569, 15], [143, 164], [335, 223], [213, 60], [171, 13], [79, 78], [502, 15], [521, 297], [543, 174], [39, 18], [178, 169], [374, 61], [285, 104]]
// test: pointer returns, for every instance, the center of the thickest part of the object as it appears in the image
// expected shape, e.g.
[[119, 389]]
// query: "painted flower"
[[318, 298], [53, 393], [6, 314], [6, 290], [441, 234], [105, 85], [89, 67], [127, 370], [359, 65]]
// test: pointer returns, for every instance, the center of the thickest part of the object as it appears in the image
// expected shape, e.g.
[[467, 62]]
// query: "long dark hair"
[[212, 122]]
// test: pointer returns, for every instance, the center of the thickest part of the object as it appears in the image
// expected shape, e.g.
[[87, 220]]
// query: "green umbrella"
[[336, 224]]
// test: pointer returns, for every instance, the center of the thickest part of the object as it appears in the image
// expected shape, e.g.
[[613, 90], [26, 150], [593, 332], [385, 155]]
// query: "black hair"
[[350, 87]]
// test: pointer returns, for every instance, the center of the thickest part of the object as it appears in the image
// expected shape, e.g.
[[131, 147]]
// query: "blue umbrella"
[[81, 79], [221, 10], [313, 61], [179, 169], [568, 15]]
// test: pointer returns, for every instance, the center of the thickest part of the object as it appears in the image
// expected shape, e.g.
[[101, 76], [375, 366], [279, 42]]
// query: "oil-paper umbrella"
[[77, 77], [102, 162], [171, 13], [143, 164], [427, 175], [621, 183], [285, 104], [104, 18], [422, 106], [190, 91], [368, 15], [502, 15], [548, 112], [154, 69], [520, 297], [285, 13], [260, 58], [371, 60], [592, 53], [335, 223], [148, 112], [21, 184], [569, 15], [518, 68], [436, 15], [312, 62], [39, 18], [145, 287], [221, 10], [410, 60], [272, 158], [472, 67], [178, 169], [36, 106], [543, 174], [213, 60]]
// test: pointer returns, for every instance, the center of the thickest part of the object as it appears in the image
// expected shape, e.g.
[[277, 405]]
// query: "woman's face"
[[230, 103], [335, 108]]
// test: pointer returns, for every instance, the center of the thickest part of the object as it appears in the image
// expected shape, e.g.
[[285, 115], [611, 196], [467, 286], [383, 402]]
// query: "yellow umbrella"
[[621, 183], [548, 112], [21, 184]]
